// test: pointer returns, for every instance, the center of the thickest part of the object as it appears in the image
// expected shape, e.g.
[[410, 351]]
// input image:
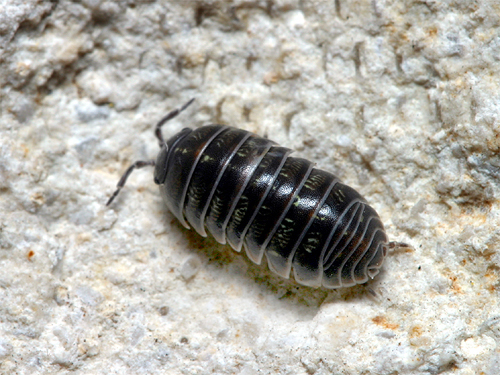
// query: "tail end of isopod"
[[374, 266], [372, 272]]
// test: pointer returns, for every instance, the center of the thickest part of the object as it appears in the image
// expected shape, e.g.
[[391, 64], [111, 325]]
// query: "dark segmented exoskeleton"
[[249, 192]]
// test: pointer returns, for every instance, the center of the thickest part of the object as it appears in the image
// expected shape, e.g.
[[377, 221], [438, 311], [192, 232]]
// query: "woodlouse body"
[[249, 192]]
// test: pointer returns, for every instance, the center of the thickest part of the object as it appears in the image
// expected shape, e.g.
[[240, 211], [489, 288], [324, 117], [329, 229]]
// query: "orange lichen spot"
[[492, 279], [433, 32], [31, 254], [416, 331], [454, 284], [382, 321], [25, 149]]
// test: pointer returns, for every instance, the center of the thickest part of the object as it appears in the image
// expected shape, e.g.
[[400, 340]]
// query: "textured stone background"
[[401, 99]]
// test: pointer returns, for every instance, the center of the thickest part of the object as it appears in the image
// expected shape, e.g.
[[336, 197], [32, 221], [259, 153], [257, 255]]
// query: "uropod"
[[249, 192]]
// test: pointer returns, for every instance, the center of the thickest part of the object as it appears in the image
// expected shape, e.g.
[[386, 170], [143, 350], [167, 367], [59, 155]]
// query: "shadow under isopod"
[[218, 258]]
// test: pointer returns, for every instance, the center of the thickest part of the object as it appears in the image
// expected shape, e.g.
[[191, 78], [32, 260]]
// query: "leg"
[[123, 179], [167, 118]]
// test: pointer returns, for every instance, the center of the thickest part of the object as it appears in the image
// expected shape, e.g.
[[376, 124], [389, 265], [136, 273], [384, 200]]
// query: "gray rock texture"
[[400, 99]]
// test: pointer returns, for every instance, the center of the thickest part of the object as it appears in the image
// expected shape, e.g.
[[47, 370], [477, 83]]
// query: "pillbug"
[[249, 192]]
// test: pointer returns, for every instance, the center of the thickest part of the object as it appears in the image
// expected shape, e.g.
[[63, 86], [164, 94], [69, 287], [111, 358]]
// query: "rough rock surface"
[[401, 99]]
